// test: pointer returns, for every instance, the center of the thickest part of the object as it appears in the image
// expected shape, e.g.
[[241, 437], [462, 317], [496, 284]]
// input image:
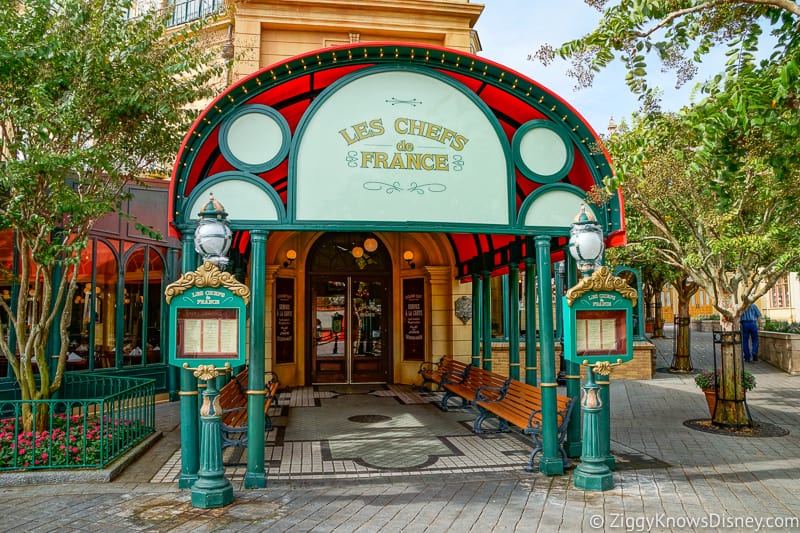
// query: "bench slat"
[[233, 399], [477, 381], [521, 406]]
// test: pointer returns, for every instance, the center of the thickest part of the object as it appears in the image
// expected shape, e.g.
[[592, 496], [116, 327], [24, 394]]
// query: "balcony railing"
[[95, 420]]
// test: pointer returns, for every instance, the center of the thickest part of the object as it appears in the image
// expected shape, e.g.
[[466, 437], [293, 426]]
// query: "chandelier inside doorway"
[[349, 251]]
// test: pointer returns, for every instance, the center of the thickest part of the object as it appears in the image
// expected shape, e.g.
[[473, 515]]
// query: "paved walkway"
[[387, 459]]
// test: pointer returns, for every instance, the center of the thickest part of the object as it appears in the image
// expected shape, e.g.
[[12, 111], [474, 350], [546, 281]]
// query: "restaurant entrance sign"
[[598, 320], [207, 314]]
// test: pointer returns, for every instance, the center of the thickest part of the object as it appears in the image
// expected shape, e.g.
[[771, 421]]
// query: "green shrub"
[[781, 326], [709, 380]]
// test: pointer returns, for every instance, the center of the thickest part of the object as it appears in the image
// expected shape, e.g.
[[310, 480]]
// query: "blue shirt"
[[751, 314]]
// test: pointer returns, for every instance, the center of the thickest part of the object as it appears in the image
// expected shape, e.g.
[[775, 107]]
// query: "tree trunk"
[[658, 319], [731, 409], [682, 360]]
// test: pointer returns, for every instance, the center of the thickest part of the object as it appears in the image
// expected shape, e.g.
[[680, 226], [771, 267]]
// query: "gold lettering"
[[377, 127], [350, 140], [380, 159], [401, 125], [397, 161], [433, 131], [441, 162], [363, 131], [458, 143]]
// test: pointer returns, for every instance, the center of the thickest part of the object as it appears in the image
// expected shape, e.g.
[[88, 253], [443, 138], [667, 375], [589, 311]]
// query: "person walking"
[[749, 325]]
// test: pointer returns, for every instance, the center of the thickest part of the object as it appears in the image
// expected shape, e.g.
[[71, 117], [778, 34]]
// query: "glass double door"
[[350, 342]]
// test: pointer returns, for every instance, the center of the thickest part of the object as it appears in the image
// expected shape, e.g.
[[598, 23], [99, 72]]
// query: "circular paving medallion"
[[369, 419]]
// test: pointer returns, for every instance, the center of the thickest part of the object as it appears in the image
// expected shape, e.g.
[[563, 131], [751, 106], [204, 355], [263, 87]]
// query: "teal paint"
[[573, 445], [604, 421], [119, 311], [211, 489], [487, 321], [592, 473], [550, 462], [190, 412], [256, 476], [513, 322], [530, 321], [530, 127], [171, 274], [477, 314]]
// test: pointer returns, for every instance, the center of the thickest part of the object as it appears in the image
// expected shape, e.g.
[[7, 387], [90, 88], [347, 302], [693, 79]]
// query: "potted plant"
[[708, 381]]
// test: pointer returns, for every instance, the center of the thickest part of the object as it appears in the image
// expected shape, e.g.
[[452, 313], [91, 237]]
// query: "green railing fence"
[[94, 420]]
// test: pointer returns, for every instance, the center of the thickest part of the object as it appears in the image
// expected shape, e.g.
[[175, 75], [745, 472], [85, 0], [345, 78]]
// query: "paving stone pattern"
[[423, 469]]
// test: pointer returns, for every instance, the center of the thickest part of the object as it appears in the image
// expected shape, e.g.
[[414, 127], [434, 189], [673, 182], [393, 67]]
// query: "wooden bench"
[[521, 405], [233, 402], [467, 385], [434, 372]]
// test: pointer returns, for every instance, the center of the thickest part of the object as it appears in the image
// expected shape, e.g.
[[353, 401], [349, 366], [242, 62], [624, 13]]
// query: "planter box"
[[781, 350], [705, 325]]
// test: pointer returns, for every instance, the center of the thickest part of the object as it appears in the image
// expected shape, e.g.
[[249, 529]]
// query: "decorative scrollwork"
[[207, 275], [413, 102], [396, 187], [604, 368], [602, 280], [379, 185], [426, 187]]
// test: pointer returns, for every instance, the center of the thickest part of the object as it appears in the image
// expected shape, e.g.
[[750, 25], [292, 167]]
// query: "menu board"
[[414, 319], [284, 320], [207, 333], [600, 332]]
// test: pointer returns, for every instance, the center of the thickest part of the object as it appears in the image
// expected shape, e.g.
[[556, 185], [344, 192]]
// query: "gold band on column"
[[573, 377], [257, 392], [187, 393], [548, 384]]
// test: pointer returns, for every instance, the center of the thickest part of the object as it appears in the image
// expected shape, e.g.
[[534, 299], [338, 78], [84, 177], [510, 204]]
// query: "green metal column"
[[190, 408], [173, 372], [487, 320], [592, 473], [256, 476], [212, 489], [513, 319], [477, 313], [573, 445], [604, 422], [550, 462], [530, 321]]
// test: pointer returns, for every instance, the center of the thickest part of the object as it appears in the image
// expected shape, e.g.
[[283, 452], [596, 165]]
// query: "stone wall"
[[781, 350], [705, 325]]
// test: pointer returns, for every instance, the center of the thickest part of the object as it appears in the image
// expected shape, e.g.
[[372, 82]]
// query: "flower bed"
[[72, 441], [97, 419]]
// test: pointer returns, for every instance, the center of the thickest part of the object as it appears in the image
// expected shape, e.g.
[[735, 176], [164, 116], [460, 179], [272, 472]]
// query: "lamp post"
[[213, 236], [586, 246], [336, 328], [212, 239]]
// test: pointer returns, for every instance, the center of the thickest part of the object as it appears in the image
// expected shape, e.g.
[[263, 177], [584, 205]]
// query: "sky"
[[510, 30]]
